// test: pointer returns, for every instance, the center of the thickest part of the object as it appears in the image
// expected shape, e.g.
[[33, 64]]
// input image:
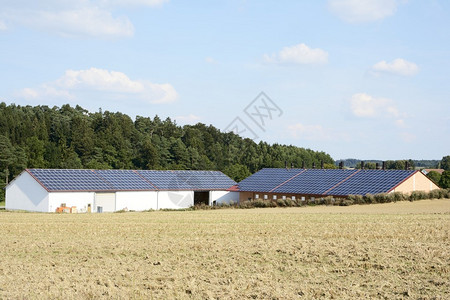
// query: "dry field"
[[386, 251]]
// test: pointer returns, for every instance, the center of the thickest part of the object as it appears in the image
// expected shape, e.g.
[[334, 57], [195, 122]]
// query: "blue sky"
[[364, 79]]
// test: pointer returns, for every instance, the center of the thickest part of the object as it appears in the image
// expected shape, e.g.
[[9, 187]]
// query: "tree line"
[[74, 138]]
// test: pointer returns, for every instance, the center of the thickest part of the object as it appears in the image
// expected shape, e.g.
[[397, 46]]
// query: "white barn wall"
[[137, 201], [175, 199], [25, 193], [78, 199], [223, 197]]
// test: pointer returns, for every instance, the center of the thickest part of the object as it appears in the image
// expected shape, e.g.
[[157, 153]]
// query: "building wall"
[[244, 196], [25, 193], [137, 201], [223, 197], [417, 182], [175, 199], [78, 199]]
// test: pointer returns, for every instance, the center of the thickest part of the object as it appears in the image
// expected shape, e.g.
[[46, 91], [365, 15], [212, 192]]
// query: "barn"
[[309, 184], [46, 190]]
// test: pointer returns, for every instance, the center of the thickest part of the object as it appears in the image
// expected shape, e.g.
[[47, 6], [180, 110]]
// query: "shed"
[[45, 190], [311, 183]]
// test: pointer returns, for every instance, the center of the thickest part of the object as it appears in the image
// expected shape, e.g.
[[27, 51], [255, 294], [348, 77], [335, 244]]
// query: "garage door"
[[105, 202]]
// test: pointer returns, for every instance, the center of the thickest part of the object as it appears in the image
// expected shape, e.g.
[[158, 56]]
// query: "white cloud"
[[314, 133], [100, 80], [210, 60], [359, 11], [189, 119], [398, 66], [363, 105], [93, 18], [298, 54]]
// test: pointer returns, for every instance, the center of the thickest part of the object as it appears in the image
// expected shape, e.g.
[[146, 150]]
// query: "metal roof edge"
[[341, 182], [283, 183]]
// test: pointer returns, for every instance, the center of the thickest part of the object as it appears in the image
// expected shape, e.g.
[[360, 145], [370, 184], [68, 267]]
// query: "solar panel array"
[[125, 180], [267, 179], [187, 180], [70, 180], [314, 181], [335, 182], [371, 182], [130, 180]]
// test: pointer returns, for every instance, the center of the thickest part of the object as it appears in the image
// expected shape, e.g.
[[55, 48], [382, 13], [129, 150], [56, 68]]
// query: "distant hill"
[[390, 164]]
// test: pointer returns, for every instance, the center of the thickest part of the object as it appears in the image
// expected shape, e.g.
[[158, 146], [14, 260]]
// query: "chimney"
[[292, 165], [362, 165], [303, 164], [285, 164], [321, 164], [314, 165], [384, 165], [341, 165], [406, 165], [377, 166]]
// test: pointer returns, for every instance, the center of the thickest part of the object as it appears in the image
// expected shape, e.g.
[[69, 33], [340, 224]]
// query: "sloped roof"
[[324, 182], [58, 180]]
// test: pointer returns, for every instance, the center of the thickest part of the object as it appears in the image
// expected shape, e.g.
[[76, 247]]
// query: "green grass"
[[392, 251]]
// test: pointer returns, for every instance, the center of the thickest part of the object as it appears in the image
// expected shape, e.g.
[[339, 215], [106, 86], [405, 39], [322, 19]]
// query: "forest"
[[72, 137]]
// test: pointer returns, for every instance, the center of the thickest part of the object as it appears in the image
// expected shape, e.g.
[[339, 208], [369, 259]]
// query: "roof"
[[324, 182], [59, 180]]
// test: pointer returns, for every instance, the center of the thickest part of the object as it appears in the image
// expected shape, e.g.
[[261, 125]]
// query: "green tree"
[[445, 163], [434, 176], [237, 172], [444, 182]]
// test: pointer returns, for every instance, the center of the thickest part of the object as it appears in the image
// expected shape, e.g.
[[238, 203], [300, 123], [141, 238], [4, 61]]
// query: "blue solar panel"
[[70, 180], [267, 179], [187, 180], [371, 182], [334, 182], [129, 180], [125, 180], [314, 181]]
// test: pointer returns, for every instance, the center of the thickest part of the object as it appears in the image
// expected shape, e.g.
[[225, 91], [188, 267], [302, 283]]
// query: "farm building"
[[46, 190], [301, 184]]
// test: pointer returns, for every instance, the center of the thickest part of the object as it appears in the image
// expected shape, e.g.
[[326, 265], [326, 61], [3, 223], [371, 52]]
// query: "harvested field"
[[388, 251]]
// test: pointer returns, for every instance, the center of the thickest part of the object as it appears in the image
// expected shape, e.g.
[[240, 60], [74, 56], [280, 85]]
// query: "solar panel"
[[70, 180], [267, 179], [314, 181], [129, 180], [371, 182], [187, 180], [125, 180]]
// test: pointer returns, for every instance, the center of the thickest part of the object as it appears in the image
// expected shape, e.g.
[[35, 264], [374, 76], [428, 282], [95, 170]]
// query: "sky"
[[365, 79]]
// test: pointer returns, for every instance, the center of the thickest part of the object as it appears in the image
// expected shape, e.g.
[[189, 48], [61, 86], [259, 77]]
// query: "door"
[[105, 202]]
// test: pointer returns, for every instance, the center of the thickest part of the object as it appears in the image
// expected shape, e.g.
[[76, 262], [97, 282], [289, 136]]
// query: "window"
[[303, 199], [284, 197], [293, 197], [266, 197], [274, 197], [256, 196]]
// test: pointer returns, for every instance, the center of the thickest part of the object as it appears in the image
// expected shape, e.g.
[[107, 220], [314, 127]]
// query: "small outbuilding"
[[49, 190], [301, 184]]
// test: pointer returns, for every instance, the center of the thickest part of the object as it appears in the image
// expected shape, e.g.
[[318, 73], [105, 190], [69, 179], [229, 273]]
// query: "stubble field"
[[387, 251]]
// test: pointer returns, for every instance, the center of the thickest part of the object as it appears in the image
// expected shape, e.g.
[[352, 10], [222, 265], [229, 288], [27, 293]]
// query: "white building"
[[45, 190]]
